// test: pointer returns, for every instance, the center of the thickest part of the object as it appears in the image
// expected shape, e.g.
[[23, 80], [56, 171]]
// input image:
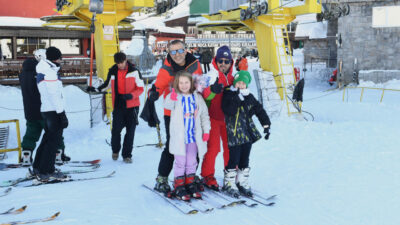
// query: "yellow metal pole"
[[344, 93], [383, 92], [19, 141]]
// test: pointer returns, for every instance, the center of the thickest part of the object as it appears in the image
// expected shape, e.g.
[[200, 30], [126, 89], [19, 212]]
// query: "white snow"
[[136, 46], [342, 168], [20, 21]]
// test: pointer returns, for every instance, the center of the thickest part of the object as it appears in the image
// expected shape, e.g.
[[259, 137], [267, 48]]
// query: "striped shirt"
[[189, 107]]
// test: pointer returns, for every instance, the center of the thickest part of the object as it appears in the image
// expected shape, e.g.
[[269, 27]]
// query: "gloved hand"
[[153, 94], [91, 89], [174, 95], [206, 137], [216, 87], [63, 119], [127, 96], [244, 92], [267, 133]]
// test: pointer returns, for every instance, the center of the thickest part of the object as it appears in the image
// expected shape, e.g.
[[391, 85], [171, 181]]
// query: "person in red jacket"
[[222, 68], [126, 87], [178, 59]]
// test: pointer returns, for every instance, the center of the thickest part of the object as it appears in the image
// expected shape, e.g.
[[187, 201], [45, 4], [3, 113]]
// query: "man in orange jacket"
[[126, 87], [177, 59], [223, 67]]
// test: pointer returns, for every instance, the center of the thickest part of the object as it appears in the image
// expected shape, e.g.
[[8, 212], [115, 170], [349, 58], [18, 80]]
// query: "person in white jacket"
[[190, 131], [53, 113]]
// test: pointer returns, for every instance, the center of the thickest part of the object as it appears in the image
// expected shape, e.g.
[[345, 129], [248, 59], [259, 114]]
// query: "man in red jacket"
[[222, 66], [177, 59], [126, 87]]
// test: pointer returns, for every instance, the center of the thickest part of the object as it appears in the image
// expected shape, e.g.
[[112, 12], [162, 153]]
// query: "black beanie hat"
[[53, 53]]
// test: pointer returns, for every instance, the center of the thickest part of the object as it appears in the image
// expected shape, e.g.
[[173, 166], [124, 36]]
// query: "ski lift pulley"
[[96, 6]]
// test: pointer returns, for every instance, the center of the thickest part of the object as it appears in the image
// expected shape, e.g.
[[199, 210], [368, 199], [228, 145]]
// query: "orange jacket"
[[166, 75], [243, 65], [133, 85]]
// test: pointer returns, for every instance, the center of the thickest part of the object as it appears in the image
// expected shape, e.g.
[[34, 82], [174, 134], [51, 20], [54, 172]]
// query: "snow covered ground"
[[342, 168]]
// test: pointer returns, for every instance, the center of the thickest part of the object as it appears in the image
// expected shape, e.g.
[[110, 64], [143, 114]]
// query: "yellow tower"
[[109, 17], [269, 22]]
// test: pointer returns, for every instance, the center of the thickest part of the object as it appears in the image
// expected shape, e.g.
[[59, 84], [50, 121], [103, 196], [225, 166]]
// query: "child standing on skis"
[[239, 105], [190, 131]]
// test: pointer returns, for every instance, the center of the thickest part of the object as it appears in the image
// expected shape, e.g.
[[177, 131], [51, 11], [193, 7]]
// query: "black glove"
[[63, 119], [127, 96], [216, 87], [267, 133], [153, 94], [91, 89]]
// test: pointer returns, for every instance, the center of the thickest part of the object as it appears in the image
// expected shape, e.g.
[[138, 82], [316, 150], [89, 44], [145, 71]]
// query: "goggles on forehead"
[[180, 51], [226, 61]]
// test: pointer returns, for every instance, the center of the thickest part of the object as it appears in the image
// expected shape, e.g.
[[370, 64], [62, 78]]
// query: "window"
[[386, 16], [26, 46], [6, 48], [67, 46]]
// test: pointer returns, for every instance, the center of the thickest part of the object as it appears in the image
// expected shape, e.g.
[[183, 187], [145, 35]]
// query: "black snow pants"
[[167, 159], [46, 153], [239, 156], [128, 118]]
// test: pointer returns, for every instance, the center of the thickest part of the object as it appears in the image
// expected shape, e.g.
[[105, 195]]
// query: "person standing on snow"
[[191, 125], [177, 59], [222, 69], [239, 105], [126, 87], [53, 114], [34, 120]]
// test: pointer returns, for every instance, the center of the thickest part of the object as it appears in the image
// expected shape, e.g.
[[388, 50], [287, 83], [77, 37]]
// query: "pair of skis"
[[6, 166], [213, 199], [14, 211], [15, 182]]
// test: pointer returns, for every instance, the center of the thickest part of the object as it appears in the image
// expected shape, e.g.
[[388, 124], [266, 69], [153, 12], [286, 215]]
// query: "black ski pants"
[[206, 67], [167, 159], [124, 118], [46, 153], [239, 156]]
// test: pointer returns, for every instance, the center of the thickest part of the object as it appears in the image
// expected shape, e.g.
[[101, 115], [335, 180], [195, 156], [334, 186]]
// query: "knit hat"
[[53, 53], [223, 52], [244, 76]]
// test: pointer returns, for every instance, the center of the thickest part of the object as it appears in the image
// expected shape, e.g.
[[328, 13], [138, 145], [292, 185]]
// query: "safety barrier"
[[372, 88], [5, 136]]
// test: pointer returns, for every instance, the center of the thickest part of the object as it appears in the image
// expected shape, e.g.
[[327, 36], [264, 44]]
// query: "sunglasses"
[[226, 61], [180, 51]]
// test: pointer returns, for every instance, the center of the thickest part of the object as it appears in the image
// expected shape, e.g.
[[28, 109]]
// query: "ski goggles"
[[180, 51], [226, 61]]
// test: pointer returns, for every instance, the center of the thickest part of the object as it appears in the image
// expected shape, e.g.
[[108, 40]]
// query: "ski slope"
[[340, 169]]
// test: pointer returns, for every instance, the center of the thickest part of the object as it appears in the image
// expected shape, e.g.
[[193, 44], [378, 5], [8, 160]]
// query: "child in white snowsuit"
[[190, 128], [239, 105]]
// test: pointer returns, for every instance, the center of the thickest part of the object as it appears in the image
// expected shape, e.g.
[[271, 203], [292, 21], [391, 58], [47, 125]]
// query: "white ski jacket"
[[50, 86]]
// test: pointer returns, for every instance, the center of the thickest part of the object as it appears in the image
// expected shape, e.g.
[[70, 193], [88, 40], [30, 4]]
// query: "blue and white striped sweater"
[[189, 107]]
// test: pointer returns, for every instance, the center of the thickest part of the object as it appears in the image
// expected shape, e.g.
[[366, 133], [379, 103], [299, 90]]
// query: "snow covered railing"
[[4, 133], [362, 91]]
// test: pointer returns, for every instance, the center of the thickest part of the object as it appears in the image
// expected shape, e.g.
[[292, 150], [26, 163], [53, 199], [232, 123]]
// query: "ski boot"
[[162, 185], [180, 190], [192, 187], [26, 159], [199, 184], [242, 182], [61, 157], [211, 182], [58, 175], [230, 187]]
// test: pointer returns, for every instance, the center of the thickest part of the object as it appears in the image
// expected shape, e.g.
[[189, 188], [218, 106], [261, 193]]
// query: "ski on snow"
[[14, 211], [33, 220], [5, 192], [14, 182], [6, 166], [70, 180], [178, 204]]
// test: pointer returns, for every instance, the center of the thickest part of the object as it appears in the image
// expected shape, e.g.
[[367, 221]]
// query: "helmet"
[[40, 54]]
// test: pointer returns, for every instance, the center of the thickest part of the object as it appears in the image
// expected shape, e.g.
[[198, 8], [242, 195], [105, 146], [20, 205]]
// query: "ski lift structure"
[[104, 18], [269, 22]]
